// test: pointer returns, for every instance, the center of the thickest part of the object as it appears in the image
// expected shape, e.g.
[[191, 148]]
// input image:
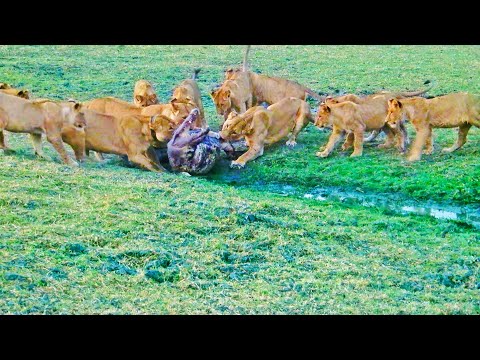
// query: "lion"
[[174, 111], [354, 119], [144, 94], [385, 95], [54, 119], [263, 126], [234, 94], [460, 110], [188, 92], [130, 135], [243, 89]]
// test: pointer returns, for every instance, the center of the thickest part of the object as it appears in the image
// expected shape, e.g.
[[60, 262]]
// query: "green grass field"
[[110, 239]]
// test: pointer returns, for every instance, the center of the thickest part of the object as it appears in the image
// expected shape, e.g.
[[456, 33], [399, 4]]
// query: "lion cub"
[[349, 117], [460, 110], [144, 94], [260, 126]]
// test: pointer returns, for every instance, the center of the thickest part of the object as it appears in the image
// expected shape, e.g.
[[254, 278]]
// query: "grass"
[[107, 239]]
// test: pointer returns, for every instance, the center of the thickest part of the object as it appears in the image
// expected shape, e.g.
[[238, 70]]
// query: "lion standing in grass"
[[460, 110]]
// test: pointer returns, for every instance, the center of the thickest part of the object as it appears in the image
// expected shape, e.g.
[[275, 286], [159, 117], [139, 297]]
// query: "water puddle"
[[468, 214]]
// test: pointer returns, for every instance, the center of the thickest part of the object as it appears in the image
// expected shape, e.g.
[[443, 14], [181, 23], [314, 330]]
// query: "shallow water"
[[468, 214]]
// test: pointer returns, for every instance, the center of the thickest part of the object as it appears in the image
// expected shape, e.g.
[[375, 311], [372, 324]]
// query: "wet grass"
[[106, 238]]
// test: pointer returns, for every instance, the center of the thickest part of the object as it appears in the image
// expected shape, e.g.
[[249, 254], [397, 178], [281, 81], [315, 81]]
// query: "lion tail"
[[314, 95], [195, 74], [245, 58], [419, 92]]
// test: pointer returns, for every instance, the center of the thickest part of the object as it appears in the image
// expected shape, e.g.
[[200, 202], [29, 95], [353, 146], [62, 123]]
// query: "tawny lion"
[[354, 119], [53, 119], [373, 98], [460, 110], [174, 111], [243, 89], [130, 135], [234, 94], [260, 126], [188, 92], [144, 94]]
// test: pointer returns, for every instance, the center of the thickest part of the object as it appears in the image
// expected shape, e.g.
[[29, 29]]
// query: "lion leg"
[[373, 135], [3, 143], [428, 143], [300, 122], [249, 102], [358, 143], [98, 156], [403, 130], [59, 146], [348, 141], [3, 125], [154, 160], [390, 141], [335, 136], [402, 138], [461, 140], [419, 143], [253, 152], [143, 162], [36, 140]]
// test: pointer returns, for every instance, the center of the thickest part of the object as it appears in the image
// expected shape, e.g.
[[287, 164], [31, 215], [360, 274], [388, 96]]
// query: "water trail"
[[469, 214]]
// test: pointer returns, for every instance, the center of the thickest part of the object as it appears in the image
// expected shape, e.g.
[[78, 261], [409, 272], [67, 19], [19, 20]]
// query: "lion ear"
[[394, 103], [23, 93], [139, 98], [174, 105], [326, 108]]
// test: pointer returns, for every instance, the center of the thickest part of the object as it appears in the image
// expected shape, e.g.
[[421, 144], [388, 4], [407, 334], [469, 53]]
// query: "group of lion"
[[111, 125]]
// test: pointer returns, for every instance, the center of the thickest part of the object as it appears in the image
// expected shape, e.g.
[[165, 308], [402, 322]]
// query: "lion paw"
[[322, 154], [291, 143], [354, 154], [448, 150], [236, 165], [413, 158]]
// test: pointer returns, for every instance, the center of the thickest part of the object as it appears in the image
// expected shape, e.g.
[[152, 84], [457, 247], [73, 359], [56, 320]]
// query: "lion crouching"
[[260, 126]]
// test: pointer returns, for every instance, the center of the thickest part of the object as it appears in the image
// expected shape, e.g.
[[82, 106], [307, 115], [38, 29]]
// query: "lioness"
[[384, 95], [260, 126], [355, 119], [175, 110], [43, 117], [460, 110], [234, 94], [129, 135], [144, 94], [243, 89], [188, 92]]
